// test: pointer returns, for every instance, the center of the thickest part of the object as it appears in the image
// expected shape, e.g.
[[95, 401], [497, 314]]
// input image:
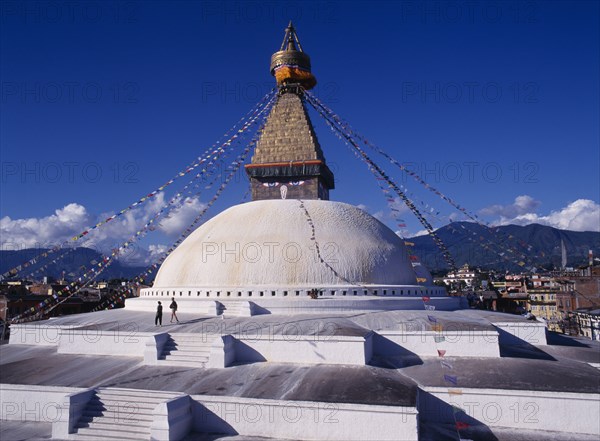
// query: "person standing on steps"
[[158, 318], [173, 307]]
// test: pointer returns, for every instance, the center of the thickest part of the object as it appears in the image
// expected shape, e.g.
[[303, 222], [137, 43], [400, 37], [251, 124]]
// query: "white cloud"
[[45, 231], [74, 218], [137, 256], [454, 216], [156, 251], [580, 215], [399, 205], [387, 213], [523, 204], [122, 228], [182, 216]]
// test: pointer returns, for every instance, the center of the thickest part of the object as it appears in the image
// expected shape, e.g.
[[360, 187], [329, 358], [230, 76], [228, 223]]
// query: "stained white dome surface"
[[270, 243]]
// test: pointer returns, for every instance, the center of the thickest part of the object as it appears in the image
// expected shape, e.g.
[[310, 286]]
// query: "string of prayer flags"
[[340, 125], [457, 409], [93, 273], [349, 140], [254, 117], [344, 125], [313, 237]]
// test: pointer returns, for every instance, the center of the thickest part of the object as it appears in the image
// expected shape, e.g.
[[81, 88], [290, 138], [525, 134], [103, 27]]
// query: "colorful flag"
[[461, 425], [450, 378]]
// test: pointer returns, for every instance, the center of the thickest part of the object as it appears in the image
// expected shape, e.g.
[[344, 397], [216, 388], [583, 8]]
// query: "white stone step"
[[189, 344], [188, 353], [127, 394], [87, 421], [130, 404], [130, 399], [117, 426], [196, 339], [188, 350], [181, 363], [236, 309], [197, 360], [121, 415], [103, 434], [191, 352], [184, 355], [124, 405]]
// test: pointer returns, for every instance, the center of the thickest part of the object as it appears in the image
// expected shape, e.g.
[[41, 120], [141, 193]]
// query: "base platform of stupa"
[[341, 376], [291, 302]]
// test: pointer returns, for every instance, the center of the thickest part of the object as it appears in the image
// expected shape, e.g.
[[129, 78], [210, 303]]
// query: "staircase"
[[189, 350], [238, 308], [119, 414]]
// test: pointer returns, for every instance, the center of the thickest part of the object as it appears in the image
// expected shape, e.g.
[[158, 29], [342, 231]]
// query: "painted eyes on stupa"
[[277, 184]]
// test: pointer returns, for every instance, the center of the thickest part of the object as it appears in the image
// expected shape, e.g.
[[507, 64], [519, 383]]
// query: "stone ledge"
[[515, 408]]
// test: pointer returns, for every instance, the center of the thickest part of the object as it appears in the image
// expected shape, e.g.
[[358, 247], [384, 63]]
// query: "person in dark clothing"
[[158, 318], [173, 308]]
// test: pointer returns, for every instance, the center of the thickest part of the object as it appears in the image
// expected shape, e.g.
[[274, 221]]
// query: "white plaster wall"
[[456, 344], [531, 332], [33, 403], [303, 420], [305, 349], [291, 292], [522, 409], [102, 342], [172, 419], [27, 334], [291, 305], [184, 303]]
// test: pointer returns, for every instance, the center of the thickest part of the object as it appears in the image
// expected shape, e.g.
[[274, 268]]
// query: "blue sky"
[[103, 102]]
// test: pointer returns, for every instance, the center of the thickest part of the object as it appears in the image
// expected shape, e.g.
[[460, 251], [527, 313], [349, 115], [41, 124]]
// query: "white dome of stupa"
[[269, 243]]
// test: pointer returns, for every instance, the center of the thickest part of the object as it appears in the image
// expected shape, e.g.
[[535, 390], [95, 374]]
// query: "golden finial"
[[291, 65]]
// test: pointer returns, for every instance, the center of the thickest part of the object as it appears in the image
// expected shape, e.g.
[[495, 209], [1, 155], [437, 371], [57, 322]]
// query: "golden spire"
[[291, 65]]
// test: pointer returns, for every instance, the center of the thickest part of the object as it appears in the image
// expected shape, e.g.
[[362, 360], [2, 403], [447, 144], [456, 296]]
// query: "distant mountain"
[[71, 264], [537, 245]]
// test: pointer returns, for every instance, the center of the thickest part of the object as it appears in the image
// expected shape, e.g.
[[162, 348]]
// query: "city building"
[[464, 277], [542, 303], [587, 322]]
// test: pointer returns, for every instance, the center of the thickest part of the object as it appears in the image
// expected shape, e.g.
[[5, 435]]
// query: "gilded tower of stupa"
[[288, 161]]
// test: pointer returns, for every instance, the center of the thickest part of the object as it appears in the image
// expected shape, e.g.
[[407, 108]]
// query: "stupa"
[[267, 255], [374, 355]]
